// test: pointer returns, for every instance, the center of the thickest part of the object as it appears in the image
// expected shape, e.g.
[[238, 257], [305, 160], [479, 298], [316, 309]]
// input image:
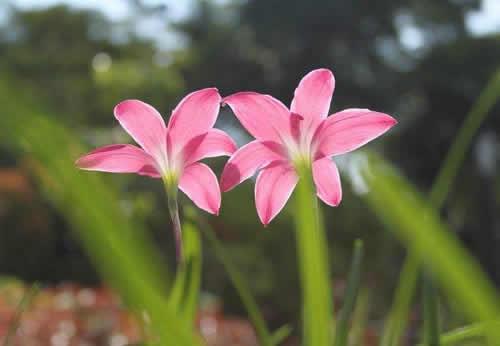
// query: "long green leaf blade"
[[352, 289], [265, 337], [397, 204], [317, 309]]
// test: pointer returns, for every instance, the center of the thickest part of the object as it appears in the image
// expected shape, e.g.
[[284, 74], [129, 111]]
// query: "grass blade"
[[396, 202], [398, 315], [312, 250], [119, 247], [440, 189], [25, 301], [456, 156], [473, 331], [184, 294], [431, 315], [280, 335], [352, 288], [193, 255], [360, 318], [265, 338]]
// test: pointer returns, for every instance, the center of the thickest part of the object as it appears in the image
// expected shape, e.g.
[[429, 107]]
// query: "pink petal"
[[350, 129], [262, 116], [211, 144], [144, 124], [193, 116], [119, 158], [247, 160], [327, 180], [200, 184], [273, 188], [314, 94]]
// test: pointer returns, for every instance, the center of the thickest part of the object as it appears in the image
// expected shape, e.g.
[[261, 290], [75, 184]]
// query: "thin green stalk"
[[317, 310], [352, 289], [360, 318], [265, 337], [430, 304], [473, 331], [457, 153], [23, 305], [173, 208], [193, 254], [281, 334], [442, 185], [397, 320]]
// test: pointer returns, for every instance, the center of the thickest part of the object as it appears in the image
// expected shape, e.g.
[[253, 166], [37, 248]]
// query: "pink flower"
[[302, 134], [170, 152]]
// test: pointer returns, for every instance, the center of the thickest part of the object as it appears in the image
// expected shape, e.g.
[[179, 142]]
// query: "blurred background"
[[425, 62]]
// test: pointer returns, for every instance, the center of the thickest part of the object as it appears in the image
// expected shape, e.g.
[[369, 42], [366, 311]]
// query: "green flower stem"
[[317, 307], [173, 208]]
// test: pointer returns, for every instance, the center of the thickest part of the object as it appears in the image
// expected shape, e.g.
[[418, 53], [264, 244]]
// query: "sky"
[[115, 9], [484, 21]]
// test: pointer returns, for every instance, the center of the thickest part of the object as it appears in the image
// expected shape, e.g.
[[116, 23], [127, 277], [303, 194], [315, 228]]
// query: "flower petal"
[[263, 116], [193, 116], [119, 158], [200, 184], [144, 124], [211, 144], [350, 129], [247, 160], [327, 180], [273, 188], [314, 94]]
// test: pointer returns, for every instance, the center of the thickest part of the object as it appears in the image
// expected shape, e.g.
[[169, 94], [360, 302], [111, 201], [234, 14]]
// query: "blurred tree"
[[81, 64]]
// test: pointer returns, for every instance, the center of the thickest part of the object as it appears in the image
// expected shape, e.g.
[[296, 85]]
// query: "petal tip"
[[323, 72], [123, 104]]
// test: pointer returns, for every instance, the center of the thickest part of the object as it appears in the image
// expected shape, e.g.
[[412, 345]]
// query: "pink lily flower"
[[303, 134], [170, 152]]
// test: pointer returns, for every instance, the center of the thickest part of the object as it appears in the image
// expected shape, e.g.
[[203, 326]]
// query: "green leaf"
[[239, 283], [473, 331], [440, 189], [352, 288], [119, 247], [397, 319], [193, 255], [419, 228], [281, 334], [431, 315], [360, 318], [317, 308]]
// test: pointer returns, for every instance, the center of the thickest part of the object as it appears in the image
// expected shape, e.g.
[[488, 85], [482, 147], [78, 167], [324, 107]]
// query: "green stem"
[[313, 263], [173, 208], [431, 315]]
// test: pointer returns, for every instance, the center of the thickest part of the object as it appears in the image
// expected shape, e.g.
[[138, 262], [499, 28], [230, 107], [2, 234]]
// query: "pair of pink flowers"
[[284, 138]]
